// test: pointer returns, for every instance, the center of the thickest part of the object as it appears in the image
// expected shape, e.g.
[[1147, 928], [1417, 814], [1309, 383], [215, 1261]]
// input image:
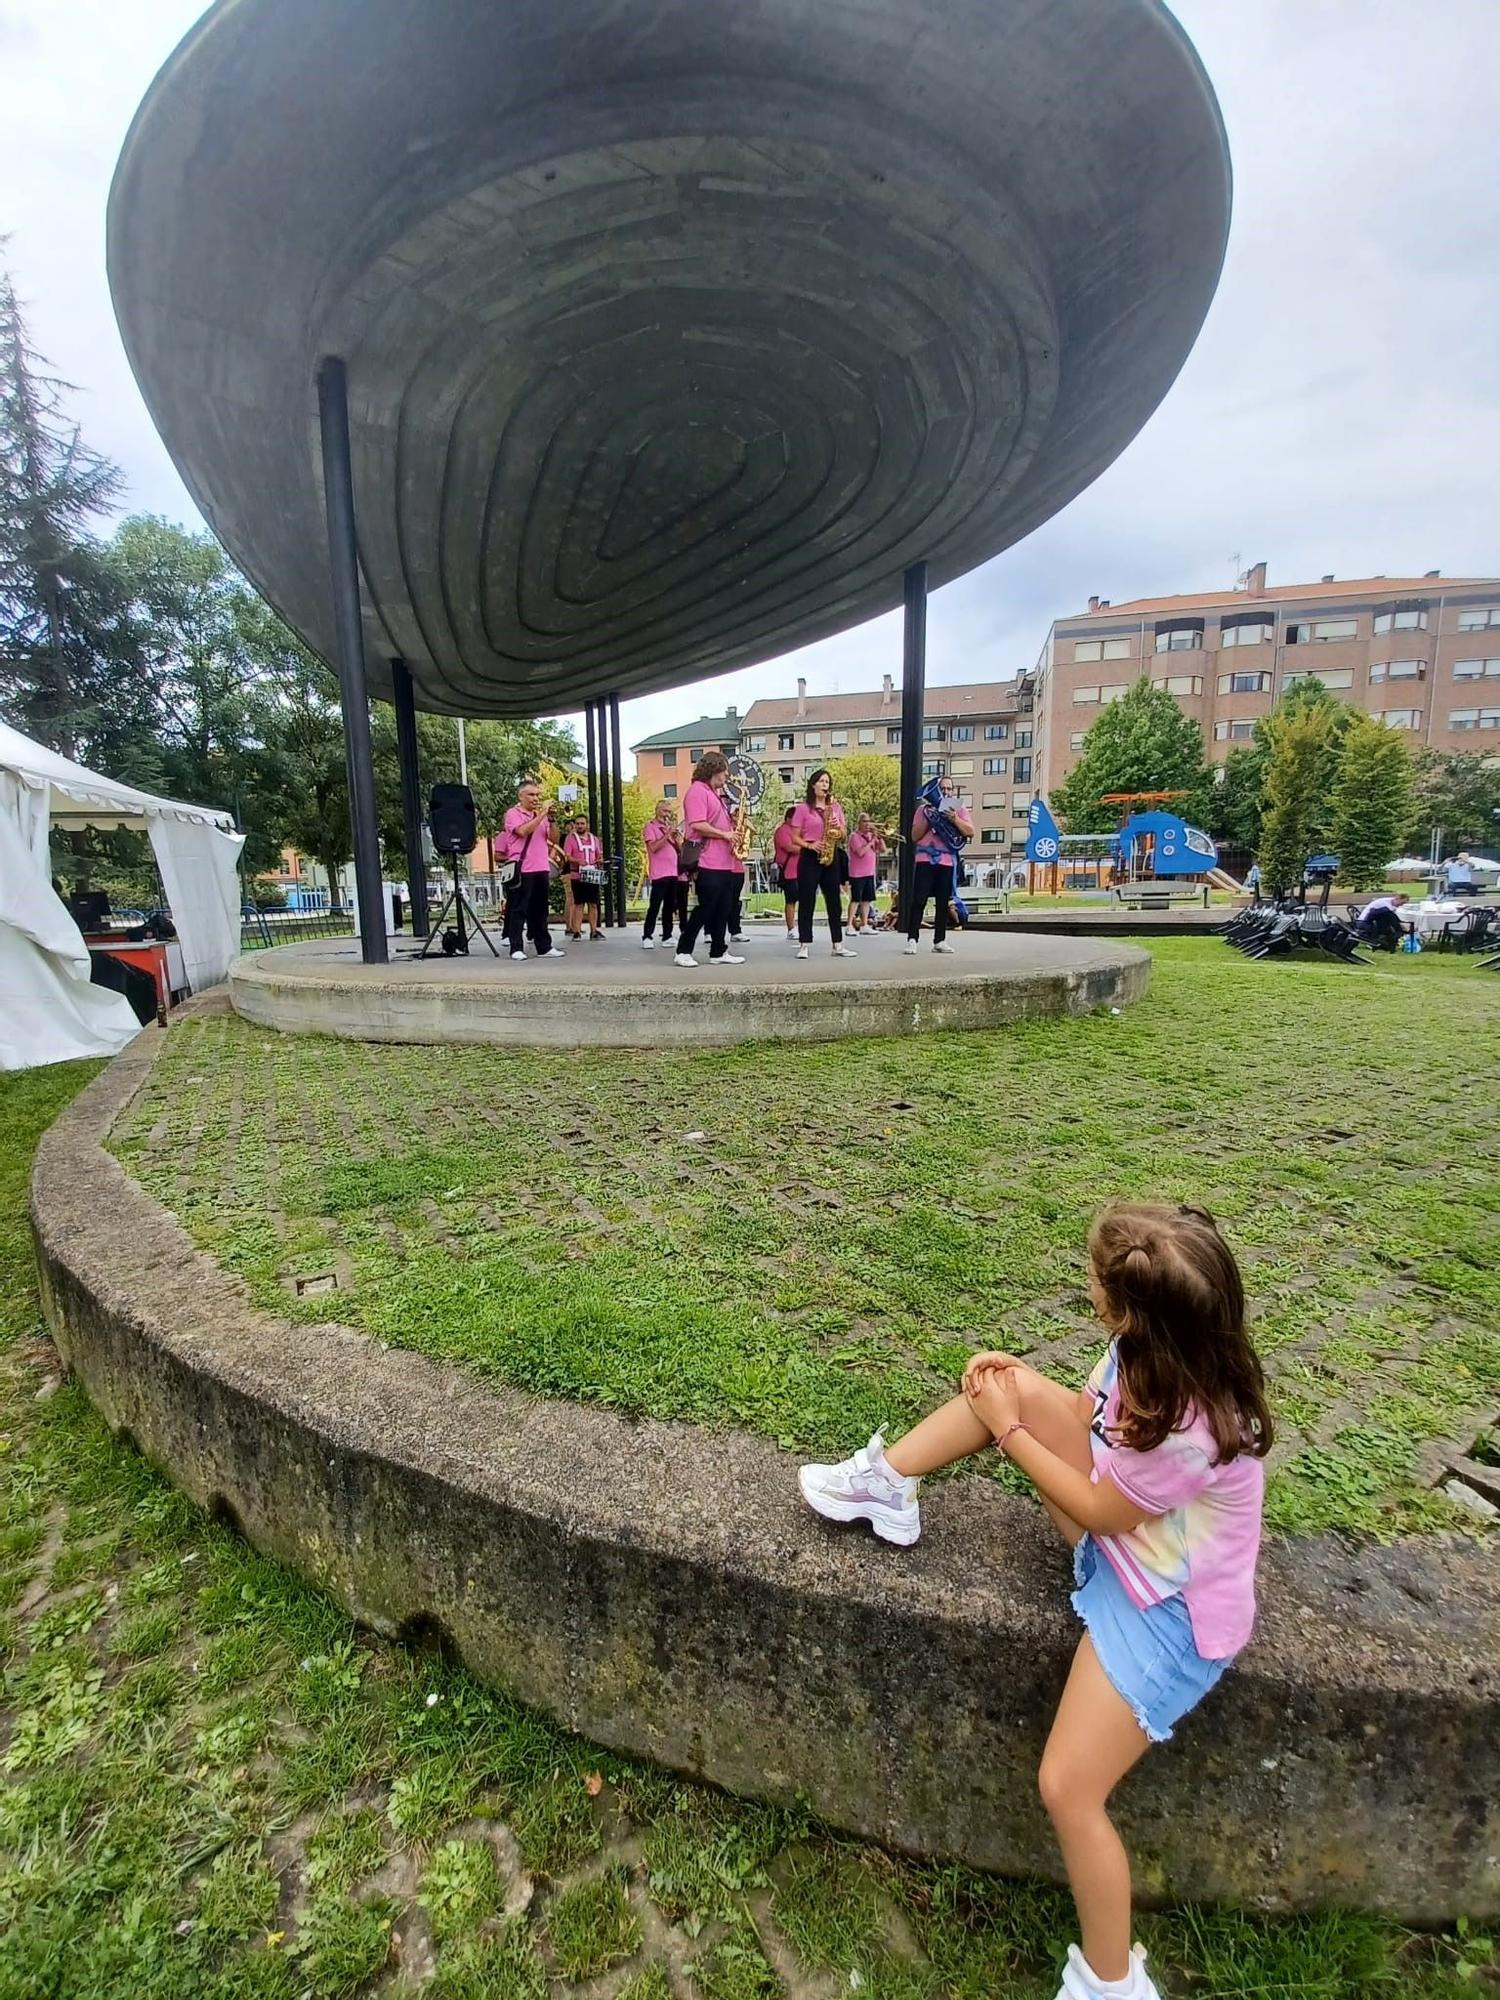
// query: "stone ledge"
[[662, 1591]]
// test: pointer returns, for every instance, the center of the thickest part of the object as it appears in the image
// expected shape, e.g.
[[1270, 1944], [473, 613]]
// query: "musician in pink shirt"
[[784, 854], [810, 823], [706, 820], [663, 841], [865, 850], [584, 852], [527, 838]]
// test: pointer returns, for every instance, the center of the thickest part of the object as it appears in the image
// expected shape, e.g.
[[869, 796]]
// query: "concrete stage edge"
[[616, 995], [610, 1571]]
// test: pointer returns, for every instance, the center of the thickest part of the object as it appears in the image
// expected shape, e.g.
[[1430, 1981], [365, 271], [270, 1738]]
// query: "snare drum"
[[592, 877]]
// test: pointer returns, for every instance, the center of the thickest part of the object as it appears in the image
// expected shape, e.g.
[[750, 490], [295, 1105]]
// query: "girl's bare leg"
[[1095, 1740], [1052, 1412], [951, 1432]]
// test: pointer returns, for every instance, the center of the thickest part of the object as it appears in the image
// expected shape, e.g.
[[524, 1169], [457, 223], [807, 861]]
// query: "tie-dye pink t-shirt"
[[1202, 1535]]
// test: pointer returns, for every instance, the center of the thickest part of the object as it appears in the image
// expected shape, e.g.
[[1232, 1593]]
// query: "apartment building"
[[1420, 653], [979, 734], [664, 762]]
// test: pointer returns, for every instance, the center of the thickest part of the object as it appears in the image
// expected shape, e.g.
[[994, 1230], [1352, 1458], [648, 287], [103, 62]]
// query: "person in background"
[[527, 835], [1252, 882], [706, 820], [1378, 923], [1458, 875], [784, 853], [811, 821], [663, 839], [865, 849], [932, 877], [583, 853]]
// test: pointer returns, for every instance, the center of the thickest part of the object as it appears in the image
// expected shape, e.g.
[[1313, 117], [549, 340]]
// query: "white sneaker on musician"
[[685, 958], [946, 949], [1081, 1982], [648, 944], [864, 1488], [845, 951], [911, 948], [518, 958], [738, 937], [804, 951], [727, 958], [552, 951]]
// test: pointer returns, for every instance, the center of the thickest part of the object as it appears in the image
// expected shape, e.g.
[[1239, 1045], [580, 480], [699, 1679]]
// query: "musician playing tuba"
[[819, 825], [940, 828]]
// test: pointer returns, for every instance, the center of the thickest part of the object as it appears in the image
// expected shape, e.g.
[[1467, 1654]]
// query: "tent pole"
[[618, 815], [913, 708], [411, 794]]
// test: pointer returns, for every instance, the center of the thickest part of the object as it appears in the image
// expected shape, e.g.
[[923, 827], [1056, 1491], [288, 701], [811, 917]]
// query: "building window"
[[1075, 741], [1185, 683], [1478, 616], [867, 736], [935, 768], [993, 802], [669, 791], [961, 767], [995, 767], [837, 738], [932, 732], [1020, 770], [757, 743], [1335, 677], [694, 755], [1326, 630], [1113, 691], [1244, 683], [1023, 739], [1402, 618], [668, 760], [1254, 632], [1399, 670], [1476, 670], [1182, 635], [1474, 718], [812, 739], [1233, 732], [787, 775], [1401, 718], [992, 836], [1020, 800], [996, 732], [786, 740], [893, 736], [963, 732], [1085, 697], [1101, 649]]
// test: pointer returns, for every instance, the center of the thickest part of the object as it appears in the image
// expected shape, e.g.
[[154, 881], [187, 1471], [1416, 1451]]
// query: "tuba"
[[744, 790]]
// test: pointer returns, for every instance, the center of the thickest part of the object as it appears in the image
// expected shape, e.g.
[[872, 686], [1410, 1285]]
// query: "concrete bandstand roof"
[[675, 329]]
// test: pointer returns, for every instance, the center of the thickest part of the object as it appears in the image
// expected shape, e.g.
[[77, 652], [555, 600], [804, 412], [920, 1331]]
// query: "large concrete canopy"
[[675, 329]]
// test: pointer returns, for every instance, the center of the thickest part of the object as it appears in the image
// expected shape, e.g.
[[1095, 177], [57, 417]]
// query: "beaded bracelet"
[[1016, 1426]]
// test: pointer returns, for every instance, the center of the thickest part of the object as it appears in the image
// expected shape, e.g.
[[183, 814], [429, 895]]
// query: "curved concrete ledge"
[[663, 1592], [617, 996]]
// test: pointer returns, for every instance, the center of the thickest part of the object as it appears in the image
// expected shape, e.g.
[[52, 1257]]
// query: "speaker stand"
[[459, 904]]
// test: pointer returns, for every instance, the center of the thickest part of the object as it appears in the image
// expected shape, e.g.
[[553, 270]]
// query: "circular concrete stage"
[[617, 995]]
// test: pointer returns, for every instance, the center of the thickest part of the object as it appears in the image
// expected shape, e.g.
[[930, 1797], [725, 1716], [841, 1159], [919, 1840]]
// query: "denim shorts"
[[1148, 1656]]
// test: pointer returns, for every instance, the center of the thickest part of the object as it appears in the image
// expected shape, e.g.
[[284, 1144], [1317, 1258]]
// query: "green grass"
[[212, 1787], [892, 1205]]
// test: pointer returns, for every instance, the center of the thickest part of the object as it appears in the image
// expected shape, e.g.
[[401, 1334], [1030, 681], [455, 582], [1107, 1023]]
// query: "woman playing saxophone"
[[818, 825]]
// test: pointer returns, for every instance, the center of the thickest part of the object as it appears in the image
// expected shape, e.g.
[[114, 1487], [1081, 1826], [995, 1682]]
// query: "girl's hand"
[[997, 1400], [982, 1363]]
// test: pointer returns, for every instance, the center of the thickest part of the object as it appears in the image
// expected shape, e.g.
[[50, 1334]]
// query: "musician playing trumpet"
[[528, 840], [866, 845], [818, 826], [938, 830], [663, 843]]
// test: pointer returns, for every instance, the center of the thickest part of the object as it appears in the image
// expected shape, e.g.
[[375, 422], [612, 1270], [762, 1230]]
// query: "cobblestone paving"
[[808, 1241]]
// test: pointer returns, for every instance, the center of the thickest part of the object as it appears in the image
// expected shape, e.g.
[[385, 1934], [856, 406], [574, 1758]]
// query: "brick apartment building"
[[979, 735], [1420, 653]]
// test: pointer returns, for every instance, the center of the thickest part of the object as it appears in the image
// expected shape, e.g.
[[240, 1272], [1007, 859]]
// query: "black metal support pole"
[[913, 703], [411, 794], [593, 765], [602, 826], [617, 819], [343, 562]]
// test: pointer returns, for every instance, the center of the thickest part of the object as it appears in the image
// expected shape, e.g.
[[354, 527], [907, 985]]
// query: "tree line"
[[1318, 775], [140, 650]]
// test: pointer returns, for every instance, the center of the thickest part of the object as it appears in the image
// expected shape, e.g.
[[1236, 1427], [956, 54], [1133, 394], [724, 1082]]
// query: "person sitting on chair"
[[1378, 924]]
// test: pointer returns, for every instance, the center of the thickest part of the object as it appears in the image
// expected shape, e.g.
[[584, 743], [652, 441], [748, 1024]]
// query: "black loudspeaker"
[[450, 814]]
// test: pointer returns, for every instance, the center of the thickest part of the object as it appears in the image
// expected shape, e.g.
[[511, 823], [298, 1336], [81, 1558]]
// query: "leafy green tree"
[[868, 783], [1238, 799], [1141, 743], [1298, 737], [1457, 792], [304, 803], [70, 671], [1372, 801]]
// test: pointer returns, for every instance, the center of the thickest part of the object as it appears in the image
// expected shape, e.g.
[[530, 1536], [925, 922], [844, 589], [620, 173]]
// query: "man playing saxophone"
[[818, 826]]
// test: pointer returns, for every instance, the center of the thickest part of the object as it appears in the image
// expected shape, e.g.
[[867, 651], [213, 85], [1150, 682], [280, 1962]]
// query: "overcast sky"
[[1341, 410]]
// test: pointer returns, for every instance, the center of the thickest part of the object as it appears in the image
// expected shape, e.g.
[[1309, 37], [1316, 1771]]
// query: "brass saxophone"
[[832, 834], [742, 835]]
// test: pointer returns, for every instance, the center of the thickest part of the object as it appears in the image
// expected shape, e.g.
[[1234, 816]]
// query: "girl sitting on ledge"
[[1154, 1475]]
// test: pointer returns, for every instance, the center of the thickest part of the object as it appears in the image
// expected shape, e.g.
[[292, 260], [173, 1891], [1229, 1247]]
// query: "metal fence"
[[259, 929]]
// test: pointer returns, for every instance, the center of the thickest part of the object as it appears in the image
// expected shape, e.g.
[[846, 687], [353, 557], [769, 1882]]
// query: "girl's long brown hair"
[[1173, 1299]]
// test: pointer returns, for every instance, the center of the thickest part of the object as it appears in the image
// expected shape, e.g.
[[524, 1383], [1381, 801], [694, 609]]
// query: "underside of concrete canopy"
[[674, 331]]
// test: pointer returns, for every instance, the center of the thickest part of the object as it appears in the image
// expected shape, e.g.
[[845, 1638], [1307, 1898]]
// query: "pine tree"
[[70, 672], [1372, 801], [1141, 743]]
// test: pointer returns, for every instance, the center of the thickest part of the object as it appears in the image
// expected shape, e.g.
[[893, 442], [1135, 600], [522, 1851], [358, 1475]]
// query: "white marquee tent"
[[49, 1011]]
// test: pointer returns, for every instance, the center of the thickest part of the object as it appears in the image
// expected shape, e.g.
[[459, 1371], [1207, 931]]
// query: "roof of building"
[[967, 698], [707, 729], [1242, 600]]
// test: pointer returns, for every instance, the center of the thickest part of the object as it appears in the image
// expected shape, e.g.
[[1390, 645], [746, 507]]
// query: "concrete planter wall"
[[662, 1592]]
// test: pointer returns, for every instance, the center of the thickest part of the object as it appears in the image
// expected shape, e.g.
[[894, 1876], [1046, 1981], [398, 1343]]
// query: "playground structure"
[[1150, 856]]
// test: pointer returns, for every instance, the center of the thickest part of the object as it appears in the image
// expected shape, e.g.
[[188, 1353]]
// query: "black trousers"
[[814, 875], [526, 912], [666, 901], [717, 889], [932, 879]]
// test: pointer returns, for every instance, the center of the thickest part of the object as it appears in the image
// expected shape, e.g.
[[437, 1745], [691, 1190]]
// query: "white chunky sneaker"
[[1081, 1982], [947, 949], [518, 958], [648, 944], [685, 958], [728, 958], [738, 937], [910, 950], [845, 951], [864, 1488], [804, 951], [552, 951]]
